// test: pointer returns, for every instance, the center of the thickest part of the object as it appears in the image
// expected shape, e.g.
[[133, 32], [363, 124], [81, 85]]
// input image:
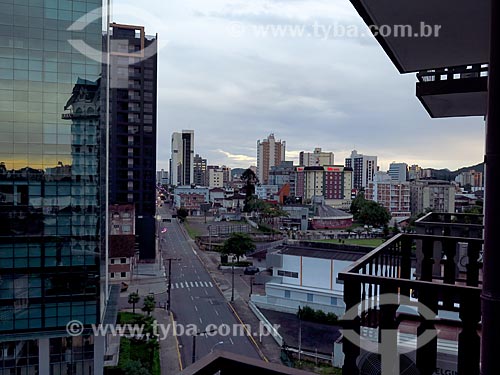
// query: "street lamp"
[[213, 347], [251, 286], [193, 353], [232, 278]]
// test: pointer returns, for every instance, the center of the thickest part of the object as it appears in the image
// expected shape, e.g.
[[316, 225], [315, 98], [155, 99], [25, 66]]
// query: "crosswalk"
[[192, 284]]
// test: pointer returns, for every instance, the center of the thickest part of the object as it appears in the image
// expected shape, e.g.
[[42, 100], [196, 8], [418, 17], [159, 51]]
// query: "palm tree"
[[133, 298]]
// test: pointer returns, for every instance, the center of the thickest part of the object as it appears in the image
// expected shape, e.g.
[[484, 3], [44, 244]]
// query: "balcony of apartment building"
[[436, 275]]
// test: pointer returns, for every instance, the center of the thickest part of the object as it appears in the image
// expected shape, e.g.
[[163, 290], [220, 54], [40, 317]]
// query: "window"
[[123, 260], [112, 275], [123, 274], [333, 301], [287, 294], [310, 297], [288, 274]]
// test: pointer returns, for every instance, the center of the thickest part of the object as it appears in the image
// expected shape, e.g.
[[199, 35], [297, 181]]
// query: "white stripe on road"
[[196, 284], [182, 285], [195, 308], [205, 291], [190, 283], [201, 322], [211, 285], [230, 339], [194, 251], [216, 312], [176, 285]]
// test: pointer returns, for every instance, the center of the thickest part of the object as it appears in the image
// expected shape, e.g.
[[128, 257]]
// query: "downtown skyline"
[[234, 89]]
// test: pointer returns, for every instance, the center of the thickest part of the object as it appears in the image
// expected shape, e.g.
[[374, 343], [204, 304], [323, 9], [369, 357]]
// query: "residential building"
[[435, 195], [199, 170], [333, 182], [398, 171], [394, 195], [162, 177], [215, 178], [363, 167], [122, 259], [132, 156], [270, 152], [191, 198], [266, 192], [472, 178], [282, 174], [414, 172], [315, 158], [52, 263], [121, 219], [182, 159]]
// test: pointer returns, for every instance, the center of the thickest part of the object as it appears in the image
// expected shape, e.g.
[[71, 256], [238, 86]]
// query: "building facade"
[[132, 157], [398, 171], [392, 194], [333, 182], [283, 174], [182, 160], [51, 184], [199, 170], [363, 169], [433, 195], [270, 152], [316, 158]]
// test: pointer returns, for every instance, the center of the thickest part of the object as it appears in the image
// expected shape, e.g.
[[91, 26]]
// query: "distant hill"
[[447, 175]]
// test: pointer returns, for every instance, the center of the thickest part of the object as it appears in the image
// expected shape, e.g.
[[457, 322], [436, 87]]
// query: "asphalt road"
[[195, 299]]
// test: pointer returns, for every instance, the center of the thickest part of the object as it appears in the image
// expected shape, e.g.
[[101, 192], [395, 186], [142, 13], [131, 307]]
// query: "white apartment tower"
[[363, 169], [270, 153], [398, 171], [182, 160]]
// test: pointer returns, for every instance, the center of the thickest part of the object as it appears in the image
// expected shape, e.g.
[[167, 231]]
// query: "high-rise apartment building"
[[199, 170], [363, 167], [182, 160], [435, 195], [392, 194], [332, 182], [270, 152], [315, 158], [398, 171], [132, 156], [283, 173], [51, 185]]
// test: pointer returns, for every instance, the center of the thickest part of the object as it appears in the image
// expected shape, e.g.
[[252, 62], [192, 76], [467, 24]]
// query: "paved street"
[[195, 299]]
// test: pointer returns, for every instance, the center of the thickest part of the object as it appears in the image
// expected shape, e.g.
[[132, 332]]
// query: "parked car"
[[251, 270]]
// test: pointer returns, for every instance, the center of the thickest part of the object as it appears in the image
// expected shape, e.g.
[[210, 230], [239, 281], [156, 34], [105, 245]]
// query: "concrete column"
[[43, 356]]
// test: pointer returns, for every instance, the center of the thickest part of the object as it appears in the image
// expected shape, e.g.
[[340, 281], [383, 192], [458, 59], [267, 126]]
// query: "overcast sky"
[[219, 76]]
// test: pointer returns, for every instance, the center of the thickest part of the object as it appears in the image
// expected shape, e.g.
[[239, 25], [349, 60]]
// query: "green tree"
[[238, 244], [357, 204], [149, 304], [373, 213], [134, 368], [250, 180], [133, 298], [182, 214]]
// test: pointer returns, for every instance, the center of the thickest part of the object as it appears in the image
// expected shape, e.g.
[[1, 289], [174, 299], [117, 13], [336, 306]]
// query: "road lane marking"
[[205, 292], [176, 285], [211, 285], [201, 322], [230, 339], [192, 286], [216, 312], [192, 299], [182, 285], [194, 251], [196, 284], [195, 308]]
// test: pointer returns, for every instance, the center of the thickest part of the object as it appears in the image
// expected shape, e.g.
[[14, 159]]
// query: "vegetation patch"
[[317, 316]]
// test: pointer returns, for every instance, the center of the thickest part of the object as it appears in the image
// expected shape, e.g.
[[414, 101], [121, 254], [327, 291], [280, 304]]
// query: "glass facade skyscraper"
[[50, 185]]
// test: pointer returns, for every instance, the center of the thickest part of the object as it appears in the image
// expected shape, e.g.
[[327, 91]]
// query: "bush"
[[317, 316]]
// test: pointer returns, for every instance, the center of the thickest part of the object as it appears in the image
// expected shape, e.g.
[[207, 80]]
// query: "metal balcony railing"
[[441, 272], [456, 72]]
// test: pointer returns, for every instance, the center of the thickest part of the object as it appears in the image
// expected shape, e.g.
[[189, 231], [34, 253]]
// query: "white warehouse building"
[[306, 277]]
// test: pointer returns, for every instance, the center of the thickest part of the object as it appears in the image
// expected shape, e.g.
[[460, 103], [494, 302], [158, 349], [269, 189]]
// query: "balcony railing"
[[439, 269], [457, 72]]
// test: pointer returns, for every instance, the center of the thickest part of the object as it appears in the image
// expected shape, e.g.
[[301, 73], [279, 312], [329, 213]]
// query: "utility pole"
[[232, 277], [169, 286]]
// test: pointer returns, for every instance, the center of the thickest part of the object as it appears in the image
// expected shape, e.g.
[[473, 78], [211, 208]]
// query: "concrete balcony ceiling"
[[463, 35]]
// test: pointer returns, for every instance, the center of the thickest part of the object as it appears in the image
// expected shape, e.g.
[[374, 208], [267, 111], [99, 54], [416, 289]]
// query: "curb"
[[176, 343]]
